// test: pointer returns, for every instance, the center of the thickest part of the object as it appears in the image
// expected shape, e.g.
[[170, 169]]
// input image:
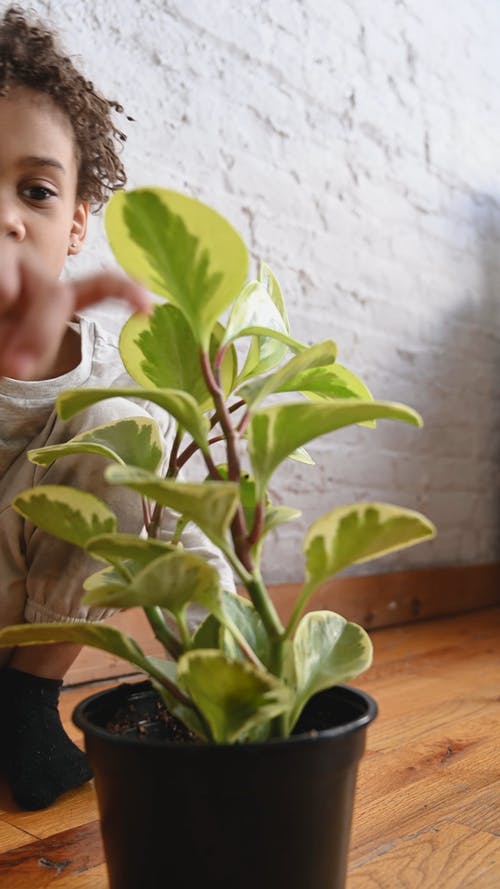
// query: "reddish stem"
[[146, 513], [173, 466], [219, 358], [258, 524], [238, 525], [242, 425], [193, 447], [236, 406]]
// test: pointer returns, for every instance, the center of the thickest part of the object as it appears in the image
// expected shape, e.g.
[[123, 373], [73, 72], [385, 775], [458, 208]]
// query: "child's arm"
[[34, 309]]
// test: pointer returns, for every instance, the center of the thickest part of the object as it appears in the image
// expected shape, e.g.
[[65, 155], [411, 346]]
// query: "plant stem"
[[219, 358], [192, 448], [236, 406], [182, 521], [242, 548], [145, 512], [185, 634], [173, 467], [278, 656], [258, 524], [187, 453], [163, 634], [300, 604], [242, 425], [246, 648], [239, 535], [238, 525], [172, 472], [234, 561], [213, 471], [174, 691], [155, 520], [278, 724], [262, 601], [223, 418]]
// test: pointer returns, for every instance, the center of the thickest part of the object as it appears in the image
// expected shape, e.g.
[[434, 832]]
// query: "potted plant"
[[238, 760]]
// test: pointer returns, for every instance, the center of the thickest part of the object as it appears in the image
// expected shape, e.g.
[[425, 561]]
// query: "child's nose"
[[11, 223]]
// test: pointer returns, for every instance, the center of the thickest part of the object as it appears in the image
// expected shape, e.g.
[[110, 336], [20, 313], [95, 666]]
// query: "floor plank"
[[446, 855], [72, 810], [479, 810], [427, 812], [434, 752], [90, 879], [11, 837], [41, 863]]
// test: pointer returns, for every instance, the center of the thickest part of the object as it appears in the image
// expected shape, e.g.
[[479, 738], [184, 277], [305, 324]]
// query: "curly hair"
[[30, 57]]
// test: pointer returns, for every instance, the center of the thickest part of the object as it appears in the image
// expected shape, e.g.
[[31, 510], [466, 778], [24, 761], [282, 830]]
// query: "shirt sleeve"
[[56, 570]]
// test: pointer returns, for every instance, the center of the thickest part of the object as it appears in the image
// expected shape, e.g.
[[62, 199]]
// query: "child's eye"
[[38, 193]]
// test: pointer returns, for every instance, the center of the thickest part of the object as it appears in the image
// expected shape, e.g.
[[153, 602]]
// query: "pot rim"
[[83, 722]]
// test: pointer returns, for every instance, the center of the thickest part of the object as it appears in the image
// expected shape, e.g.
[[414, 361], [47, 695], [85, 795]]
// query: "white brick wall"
[[355, 144]]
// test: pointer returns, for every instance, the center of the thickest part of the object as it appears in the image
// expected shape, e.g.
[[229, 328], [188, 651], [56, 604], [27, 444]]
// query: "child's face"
[[39, 207]]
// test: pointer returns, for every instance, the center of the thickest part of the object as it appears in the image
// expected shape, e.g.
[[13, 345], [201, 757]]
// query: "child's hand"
[[34, 310]]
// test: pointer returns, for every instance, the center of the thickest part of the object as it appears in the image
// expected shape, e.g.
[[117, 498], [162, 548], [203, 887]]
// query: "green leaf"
[[274, 516], [134, 441], [240, 613], [301, 456], [187, 715], [277, 431], [171, 582], [254, 307], [358, 532], [100, 636], [181, 405], [253, 366], [107, 578], [266, 352], [209, 633], [120, 547], [333, 381], [102, 586], [210, 505], [328, 650], [232, 696], [247, 497], [270, 282], [279, 515], [167, 668], [71, 515], [314, 356], [160, 350], [181, 249], [330, 381]]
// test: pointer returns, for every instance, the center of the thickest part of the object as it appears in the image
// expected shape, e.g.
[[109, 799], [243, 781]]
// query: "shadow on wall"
[[453, 464], [487, 408], [447, 368]]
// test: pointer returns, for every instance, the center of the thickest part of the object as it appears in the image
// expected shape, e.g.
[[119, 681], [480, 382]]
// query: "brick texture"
[[355, 145]]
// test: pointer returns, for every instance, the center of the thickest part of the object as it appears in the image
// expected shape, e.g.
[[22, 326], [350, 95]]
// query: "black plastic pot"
[[274, 815]]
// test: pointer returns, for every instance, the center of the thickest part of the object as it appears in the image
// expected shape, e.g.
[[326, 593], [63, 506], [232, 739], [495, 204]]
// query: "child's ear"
[[78, 231]]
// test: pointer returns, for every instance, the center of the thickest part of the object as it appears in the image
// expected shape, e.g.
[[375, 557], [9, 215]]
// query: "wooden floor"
[[428, 802]]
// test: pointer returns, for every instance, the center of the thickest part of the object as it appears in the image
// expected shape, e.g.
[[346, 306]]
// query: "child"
[[58, 157]]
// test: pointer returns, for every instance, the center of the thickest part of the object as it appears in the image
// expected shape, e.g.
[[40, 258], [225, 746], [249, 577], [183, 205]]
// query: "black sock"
[[40, 760]]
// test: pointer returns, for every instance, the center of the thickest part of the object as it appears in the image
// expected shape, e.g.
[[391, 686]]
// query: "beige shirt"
[[41, 577]]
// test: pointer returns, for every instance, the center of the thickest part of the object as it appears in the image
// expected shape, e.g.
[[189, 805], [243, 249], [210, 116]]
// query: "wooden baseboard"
[[373, 600], [400, 597]]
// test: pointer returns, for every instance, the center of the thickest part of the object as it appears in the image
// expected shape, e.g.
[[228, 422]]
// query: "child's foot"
[[40, 760]]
